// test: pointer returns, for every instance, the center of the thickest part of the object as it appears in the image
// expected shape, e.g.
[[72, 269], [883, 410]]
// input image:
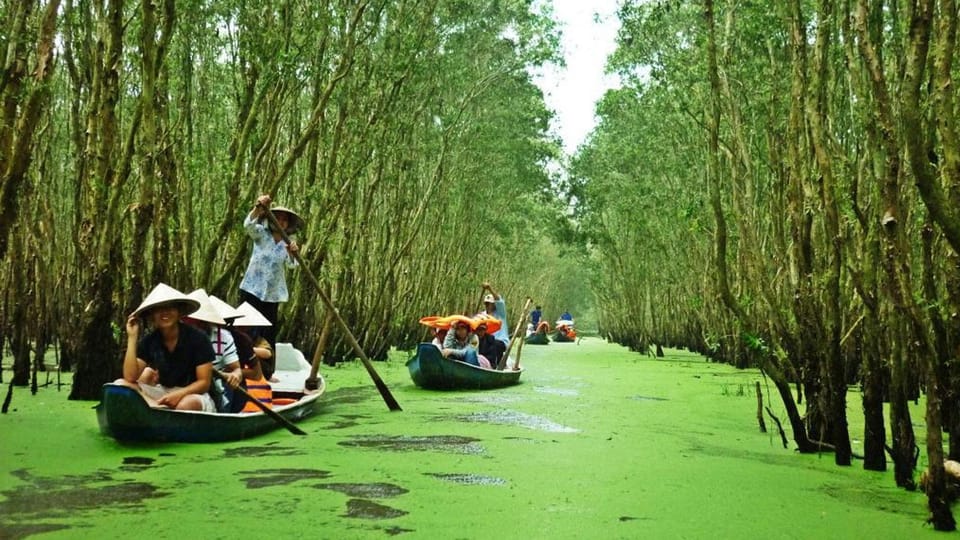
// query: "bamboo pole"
[[523, 317]]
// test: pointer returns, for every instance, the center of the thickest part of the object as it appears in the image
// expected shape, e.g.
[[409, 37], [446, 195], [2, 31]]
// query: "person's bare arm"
[[132, 366], [488, 287]]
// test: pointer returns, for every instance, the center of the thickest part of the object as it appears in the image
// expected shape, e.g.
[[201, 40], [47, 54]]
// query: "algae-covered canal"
[[597, 442]]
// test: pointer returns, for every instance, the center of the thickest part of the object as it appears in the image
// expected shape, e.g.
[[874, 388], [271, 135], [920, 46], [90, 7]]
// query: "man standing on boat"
[[535, 316], [496, 307]]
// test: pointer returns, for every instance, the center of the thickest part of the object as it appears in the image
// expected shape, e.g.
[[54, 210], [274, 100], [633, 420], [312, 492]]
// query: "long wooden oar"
[[270, 412], [503, 359], [381, 386]]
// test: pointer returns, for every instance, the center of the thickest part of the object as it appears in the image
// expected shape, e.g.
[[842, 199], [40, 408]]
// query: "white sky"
[[573, 91]]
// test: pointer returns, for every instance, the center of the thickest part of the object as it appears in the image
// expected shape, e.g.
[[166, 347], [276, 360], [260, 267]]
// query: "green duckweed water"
[[596, 442]]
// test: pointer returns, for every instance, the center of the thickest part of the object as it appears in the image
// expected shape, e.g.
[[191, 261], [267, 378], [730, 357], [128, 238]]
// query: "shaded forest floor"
[[596, 442]]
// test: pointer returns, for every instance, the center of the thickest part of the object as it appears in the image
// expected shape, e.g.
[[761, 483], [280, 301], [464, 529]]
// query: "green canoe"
[[430, 370], [537, 339], [125, 416]]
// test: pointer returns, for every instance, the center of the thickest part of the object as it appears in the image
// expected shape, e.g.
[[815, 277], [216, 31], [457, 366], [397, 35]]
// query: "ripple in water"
[[514, 418]]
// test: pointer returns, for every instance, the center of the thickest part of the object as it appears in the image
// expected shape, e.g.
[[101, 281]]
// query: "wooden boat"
[[124, 415], [537, 339], [429, 369], [561, 337]]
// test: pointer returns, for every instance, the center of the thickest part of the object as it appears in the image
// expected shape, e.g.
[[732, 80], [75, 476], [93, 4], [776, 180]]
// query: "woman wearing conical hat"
[[264, 284], [179, 356], [211, 320]]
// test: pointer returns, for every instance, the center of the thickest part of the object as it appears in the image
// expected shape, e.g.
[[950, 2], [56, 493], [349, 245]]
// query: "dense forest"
[[137, 135], [774, 184], [778, 185]]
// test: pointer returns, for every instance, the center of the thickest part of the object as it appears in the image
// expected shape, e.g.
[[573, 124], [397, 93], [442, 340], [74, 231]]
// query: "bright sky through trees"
[[589, 30]]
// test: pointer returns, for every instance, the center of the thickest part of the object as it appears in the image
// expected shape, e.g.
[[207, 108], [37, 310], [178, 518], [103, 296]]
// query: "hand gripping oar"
[[381, 386], [270, 412]]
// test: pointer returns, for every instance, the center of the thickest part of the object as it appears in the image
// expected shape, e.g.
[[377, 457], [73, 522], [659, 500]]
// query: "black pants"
[[493, 350], [270, 311]]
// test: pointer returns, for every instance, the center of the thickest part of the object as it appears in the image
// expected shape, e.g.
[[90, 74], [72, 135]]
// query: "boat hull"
[[430, 370], [560, 337], [537, 339], [124, 415]]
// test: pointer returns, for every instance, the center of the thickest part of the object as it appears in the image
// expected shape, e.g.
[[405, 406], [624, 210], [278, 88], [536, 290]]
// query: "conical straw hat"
[[165, 295], [225, 310], [250, 316], [207, 312], [295, 221]]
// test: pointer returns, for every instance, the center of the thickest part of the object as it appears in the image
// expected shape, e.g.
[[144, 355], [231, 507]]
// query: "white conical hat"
[[250, 317], [207, 312], [165, 295], [225, 310]]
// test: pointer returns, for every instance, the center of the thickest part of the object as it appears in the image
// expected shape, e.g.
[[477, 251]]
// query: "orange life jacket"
[[260, 390]]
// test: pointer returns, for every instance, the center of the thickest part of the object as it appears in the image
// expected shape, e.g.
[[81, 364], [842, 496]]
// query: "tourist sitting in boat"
[[565, 327], [251, 319], [495, 307], [226, 360], [253, 379], [488, 347], [457, 344], [180, 357], [566, 316], [439, 334]]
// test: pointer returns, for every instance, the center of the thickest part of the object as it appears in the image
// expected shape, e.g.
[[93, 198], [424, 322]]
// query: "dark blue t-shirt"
[[179, 366], [535, 317]]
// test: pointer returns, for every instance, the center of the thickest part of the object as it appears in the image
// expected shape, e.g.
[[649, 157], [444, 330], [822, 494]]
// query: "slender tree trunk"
[[892, 251], [96, 350], [23, 105], [817, 114]]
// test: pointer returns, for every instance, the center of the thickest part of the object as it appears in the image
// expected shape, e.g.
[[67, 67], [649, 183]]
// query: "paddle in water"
[[269, 412], [377, 381]]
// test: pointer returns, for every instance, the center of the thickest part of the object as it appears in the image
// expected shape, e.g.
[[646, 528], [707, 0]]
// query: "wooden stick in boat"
[[503, 359], [516, 363], [377, 381], [270, 412], [311, 382]]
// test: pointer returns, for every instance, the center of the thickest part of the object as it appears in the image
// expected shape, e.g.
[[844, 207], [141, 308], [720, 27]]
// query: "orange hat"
[[493, 324], [456, 320]]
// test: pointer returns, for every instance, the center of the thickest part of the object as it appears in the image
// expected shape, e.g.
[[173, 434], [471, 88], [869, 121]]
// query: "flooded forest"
[[772, 185]]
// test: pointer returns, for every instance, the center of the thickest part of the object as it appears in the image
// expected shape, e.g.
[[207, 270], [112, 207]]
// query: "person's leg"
[[500, 348], [470, 357], [197, 402], [237, 400], [270, 310], [253, 331]]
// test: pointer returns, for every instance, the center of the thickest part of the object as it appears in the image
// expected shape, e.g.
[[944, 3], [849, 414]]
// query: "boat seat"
[[289, 358]]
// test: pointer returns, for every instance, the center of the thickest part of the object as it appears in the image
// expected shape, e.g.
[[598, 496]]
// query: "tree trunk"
[[22, 108]]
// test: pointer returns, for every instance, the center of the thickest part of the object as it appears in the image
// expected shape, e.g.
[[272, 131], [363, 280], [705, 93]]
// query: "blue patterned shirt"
[[265, 277]]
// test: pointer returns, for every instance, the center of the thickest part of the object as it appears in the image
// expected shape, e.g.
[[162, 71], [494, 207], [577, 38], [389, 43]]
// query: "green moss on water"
[[596, 442]]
